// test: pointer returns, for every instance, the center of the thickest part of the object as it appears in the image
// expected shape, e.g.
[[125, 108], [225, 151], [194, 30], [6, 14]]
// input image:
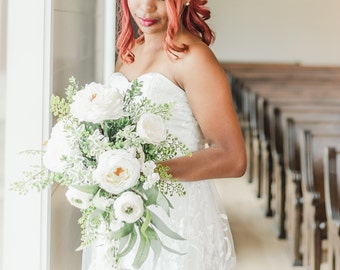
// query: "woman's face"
[[149, 15]]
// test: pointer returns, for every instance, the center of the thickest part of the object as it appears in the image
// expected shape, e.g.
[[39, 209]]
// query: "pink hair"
[[193, 18]]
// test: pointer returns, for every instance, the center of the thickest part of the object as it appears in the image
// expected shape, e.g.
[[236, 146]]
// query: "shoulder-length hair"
[[192, 17]]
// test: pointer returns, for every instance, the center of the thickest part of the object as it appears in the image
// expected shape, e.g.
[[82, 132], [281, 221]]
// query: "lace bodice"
[[160, 89]]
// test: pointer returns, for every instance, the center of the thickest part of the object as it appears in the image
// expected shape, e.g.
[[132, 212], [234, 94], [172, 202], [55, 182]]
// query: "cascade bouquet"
[[105, 147]]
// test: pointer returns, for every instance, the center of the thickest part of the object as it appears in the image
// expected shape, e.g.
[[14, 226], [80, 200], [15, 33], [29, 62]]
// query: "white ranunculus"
[[151, 128], [129, 207], [117, 171], [96, 103], [57, 149], [78, 198]]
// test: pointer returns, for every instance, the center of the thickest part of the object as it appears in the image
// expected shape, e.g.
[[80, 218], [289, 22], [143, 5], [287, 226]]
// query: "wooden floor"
[[256, 245]]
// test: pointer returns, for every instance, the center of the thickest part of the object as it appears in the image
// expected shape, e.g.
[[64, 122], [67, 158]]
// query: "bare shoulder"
[[200, 63]]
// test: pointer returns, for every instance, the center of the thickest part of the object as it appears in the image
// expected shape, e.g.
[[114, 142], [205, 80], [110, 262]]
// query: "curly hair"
[[192, 17]]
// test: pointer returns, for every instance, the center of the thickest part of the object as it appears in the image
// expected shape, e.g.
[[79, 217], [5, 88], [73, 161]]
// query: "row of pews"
[[290, 119]]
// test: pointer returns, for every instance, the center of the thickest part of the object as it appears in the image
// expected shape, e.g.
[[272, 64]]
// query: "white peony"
[[78, 198], [129, 207], [57, 149], [96, 103], [119, 82], [117, 171], [151, 128]]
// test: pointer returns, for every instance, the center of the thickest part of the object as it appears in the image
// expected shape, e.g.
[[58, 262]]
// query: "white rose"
[[117, 171], [96, 103], [78, 198], [151, 128], [57, 148], [129, 207]]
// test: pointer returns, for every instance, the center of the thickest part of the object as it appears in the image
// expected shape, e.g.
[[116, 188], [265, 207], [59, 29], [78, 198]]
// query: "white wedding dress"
[[198, 216]]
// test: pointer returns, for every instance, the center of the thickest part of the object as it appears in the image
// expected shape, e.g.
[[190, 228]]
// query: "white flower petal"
[[151, 128], [129, 207], [96, 103], [117, 171], [78, 198]]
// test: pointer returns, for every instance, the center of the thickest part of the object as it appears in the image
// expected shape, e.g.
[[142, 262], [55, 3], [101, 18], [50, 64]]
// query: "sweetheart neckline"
[[151, 73]]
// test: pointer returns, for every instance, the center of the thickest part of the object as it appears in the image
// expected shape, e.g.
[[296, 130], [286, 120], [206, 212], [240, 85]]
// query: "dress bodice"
[[160, 89], [198, 216]]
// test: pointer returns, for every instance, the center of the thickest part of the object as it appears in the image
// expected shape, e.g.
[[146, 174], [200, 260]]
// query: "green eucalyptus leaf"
[[156, 248], [146, 222], [130, 245], [91, 189], [161, 226], [125, 230], [152, 195], [151, 234], [142, 252], [163, 202]]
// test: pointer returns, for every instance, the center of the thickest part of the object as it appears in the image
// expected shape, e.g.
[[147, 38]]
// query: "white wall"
[[3, 40], [25, 233], [305, 31]]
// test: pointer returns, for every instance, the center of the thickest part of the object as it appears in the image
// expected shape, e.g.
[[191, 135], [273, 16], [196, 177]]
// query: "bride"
[[171, 56]]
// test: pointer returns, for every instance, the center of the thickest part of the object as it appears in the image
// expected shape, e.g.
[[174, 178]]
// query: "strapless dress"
[[199, 215]]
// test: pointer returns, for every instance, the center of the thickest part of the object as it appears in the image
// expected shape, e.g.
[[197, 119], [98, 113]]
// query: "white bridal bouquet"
[[105, 147]]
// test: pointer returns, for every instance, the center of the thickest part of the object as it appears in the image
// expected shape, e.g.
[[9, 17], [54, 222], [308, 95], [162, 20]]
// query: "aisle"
[[257, 247]]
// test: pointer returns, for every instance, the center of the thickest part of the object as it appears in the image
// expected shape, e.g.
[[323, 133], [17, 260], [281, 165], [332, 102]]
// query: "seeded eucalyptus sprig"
[[60, 107], [168, 185]]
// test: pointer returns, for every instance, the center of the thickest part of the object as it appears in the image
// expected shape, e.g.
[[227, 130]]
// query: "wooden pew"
[[245, 75], [278, 115], [332, 196], [265, 115], [257, 87], [257, 133], [292, 164], [314, 222]]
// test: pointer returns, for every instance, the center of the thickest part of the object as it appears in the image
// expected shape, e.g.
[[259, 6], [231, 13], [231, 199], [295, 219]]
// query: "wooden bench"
[[278, 115], [257, 128], [314, 223], [266, 113], [263, 93], [292, 165], [245, 76], [332, 196]]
